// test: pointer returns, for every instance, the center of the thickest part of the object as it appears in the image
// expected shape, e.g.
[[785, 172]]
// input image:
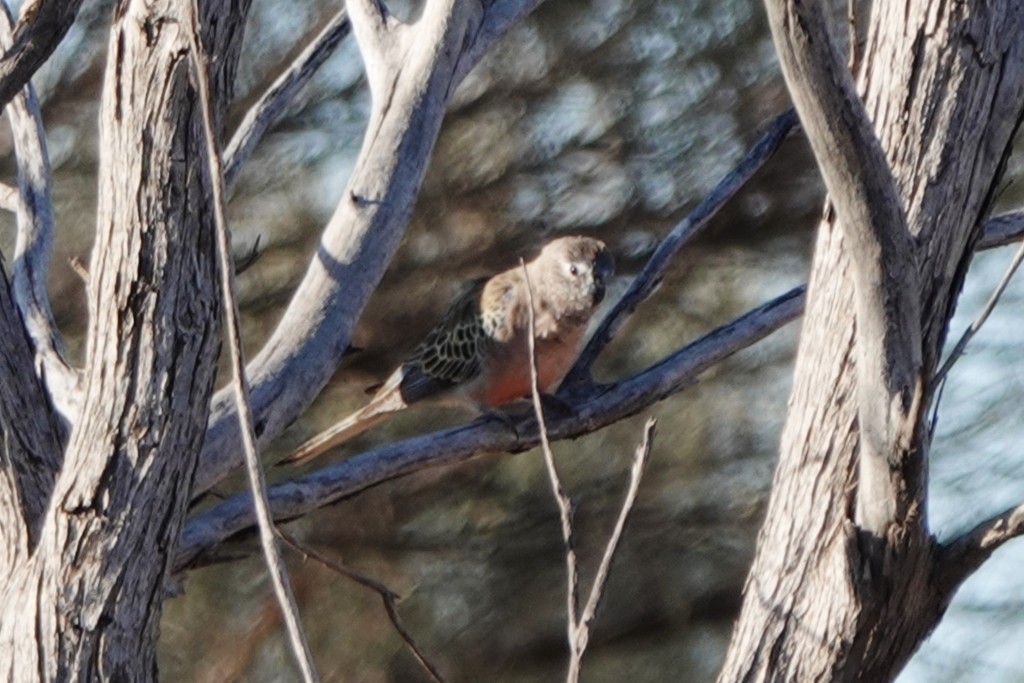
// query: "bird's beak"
[[604, 268]]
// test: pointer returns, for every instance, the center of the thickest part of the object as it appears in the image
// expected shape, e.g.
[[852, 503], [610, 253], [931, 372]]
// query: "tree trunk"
[[84, 601], [829, 597]]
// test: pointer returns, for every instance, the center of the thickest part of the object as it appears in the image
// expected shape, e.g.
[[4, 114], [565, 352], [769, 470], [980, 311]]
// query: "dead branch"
[[257, 484]]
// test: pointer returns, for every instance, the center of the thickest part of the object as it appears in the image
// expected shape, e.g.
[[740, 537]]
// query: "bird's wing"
[[451, 353]]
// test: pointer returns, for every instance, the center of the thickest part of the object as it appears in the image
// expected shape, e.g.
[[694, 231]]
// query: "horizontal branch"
[[597, 407]]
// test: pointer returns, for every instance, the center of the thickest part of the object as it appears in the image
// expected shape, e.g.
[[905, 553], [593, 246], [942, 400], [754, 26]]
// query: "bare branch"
[[30, 437], [272, 103], [388, 597], [35, 242], [378, 33], [1003, 229], [561, 499], [43, 24], [960, 557], [257, 483], [648, 278], [861, 186], [314, 332], [636, 472], [596, 407]]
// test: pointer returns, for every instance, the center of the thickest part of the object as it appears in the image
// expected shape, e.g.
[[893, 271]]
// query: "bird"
[[478, 353]]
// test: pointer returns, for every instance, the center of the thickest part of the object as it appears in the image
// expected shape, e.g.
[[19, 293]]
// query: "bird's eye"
[[574, 271]]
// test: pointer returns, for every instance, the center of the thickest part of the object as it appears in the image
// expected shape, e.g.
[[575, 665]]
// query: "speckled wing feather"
[[451, 353]]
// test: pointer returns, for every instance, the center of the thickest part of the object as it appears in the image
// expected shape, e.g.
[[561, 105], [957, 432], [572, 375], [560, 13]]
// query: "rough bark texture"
[[825, 600], [85, 602]]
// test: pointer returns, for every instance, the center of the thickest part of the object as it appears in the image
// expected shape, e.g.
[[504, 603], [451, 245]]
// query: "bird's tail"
[[355, 424]]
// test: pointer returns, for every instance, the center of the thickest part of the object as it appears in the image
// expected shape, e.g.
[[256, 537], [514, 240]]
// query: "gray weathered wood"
[[86, 604], [943, 84]]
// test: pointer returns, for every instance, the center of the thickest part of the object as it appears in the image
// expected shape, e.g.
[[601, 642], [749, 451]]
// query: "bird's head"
[[574, 271]]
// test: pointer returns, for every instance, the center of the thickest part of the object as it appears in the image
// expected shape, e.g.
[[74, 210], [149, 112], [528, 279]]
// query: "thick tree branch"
[[35, 242], [43, 24], [861, 187], [361, 237], [30, 437], [262, 115]]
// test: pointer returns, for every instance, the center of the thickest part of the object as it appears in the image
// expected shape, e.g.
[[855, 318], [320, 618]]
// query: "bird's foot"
[[504, 418], [557, 407]]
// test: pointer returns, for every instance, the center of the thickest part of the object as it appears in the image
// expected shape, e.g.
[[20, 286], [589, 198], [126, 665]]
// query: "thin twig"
[[272, 554], [388, 597], [643, 453], [273, 102], [564, 504], [975, 326]]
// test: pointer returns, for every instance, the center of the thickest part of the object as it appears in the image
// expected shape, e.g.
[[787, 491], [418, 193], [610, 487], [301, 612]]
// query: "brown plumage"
[[478, 354]]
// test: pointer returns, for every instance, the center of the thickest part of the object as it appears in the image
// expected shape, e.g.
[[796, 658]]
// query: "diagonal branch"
[[272, 103], [360, 238], [863, 191], [41, 28], [387, 596], [645, 282], [598, 407]]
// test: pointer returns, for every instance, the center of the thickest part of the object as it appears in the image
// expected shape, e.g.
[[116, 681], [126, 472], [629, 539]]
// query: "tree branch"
[[34, 244], [43, 24], [229, 303], [387, 596], [561, 500], [9, 198], [648, 278], [262, 115], [30, 437], [960, 557], [598, 406], [308, 343], [861, 186]]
